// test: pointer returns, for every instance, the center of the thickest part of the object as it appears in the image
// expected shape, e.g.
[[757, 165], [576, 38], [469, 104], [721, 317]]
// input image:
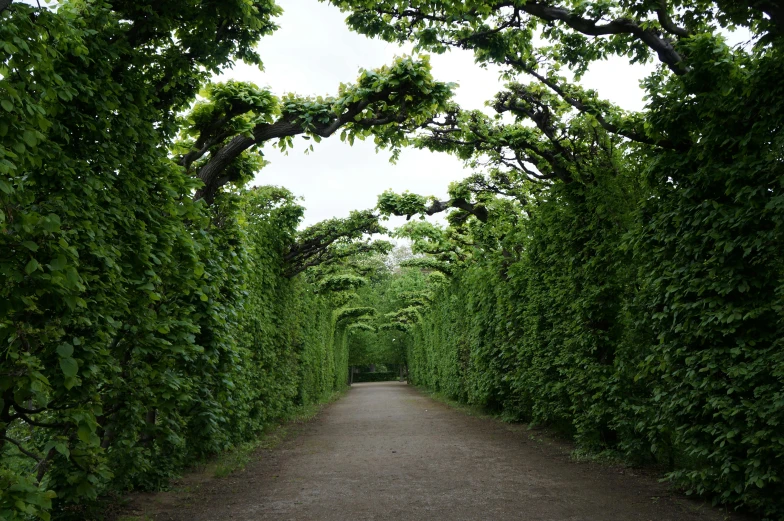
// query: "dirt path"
[[385, 451]]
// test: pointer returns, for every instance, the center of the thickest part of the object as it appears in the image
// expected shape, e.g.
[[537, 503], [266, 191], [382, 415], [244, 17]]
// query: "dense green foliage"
[[617, 275], [377, 376], [391, 293], [247, 345], [152, 312]]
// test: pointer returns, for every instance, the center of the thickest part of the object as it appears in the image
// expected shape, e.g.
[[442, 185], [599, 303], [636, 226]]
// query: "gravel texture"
[[387, 452]]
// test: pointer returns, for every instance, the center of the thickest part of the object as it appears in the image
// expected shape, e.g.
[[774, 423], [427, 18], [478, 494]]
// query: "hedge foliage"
[[152, 310], [641, 315], [164, 389], [618, 275], [375, 377]]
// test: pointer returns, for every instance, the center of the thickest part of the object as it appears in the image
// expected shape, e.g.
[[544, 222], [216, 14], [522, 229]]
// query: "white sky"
[[314, 51]]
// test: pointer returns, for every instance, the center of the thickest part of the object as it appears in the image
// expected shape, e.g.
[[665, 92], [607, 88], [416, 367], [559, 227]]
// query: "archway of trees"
[[615, 275]]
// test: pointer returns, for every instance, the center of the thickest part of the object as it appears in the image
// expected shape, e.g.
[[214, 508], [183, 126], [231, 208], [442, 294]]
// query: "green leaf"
[[85, 432], [31, 266], [59, 446], [69, 367], [62, 449], [7, 105], [30, 138], [51, 223], [58, 263], [65, 350], [30, 245]]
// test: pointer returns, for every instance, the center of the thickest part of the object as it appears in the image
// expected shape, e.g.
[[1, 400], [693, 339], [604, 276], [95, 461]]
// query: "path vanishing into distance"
[[385, 452]]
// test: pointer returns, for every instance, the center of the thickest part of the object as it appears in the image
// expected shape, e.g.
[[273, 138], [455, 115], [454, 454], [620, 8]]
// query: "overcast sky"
[[314, 51]]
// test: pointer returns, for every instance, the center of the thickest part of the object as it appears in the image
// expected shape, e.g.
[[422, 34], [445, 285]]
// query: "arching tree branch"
[[663, 48], [385, 103], [333, 240], [587, 108]]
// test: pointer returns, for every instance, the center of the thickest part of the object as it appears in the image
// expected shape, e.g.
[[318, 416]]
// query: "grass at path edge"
[[235, 459]]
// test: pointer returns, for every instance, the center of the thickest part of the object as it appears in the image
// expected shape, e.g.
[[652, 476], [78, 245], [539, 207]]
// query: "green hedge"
[[643, 314], [221, 351], [374, 377], [141, 330]]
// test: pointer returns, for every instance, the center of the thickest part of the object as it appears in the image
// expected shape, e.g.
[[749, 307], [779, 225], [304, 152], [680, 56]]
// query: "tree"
[[333, 240], [704, 161], [139, 281], [385, 104]]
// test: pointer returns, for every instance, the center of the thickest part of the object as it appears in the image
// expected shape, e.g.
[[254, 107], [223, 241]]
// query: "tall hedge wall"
[[189, 364], [641, 315]]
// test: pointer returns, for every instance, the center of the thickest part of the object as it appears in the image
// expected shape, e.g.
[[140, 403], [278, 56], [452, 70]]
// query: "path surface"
[[386, 452]]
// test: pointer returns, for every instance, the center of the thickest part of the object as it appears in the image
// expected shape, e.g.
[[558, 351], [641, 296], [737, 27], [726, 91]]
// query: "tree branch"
[[327, 255], [598, 116], [318, 243], [664, 49], [546, 11], [24, 451], [27, 419], [666, 22], [210, 173], [774, 9], [478, 211]]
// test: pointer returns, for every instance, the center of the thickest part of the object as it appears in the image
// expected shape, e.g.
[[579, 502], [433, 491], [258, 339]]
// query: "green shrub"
[[374, 377]]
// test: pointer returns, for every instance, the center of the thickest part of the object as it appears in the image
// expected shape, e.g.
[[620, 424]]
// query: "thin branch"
[[664, 49], [27, 419], [547, 12], [24, 451], [18, 407], [597, 115]]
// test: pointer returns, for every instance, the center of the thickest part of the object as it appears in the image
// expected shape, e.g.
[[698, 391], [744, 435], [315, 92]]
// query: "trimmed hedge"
[[642, 313], [374, 377]]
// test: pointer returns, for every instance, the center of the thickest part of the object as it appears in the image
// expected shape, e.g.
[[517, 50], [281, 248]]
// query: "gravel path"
[[386, 452]]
